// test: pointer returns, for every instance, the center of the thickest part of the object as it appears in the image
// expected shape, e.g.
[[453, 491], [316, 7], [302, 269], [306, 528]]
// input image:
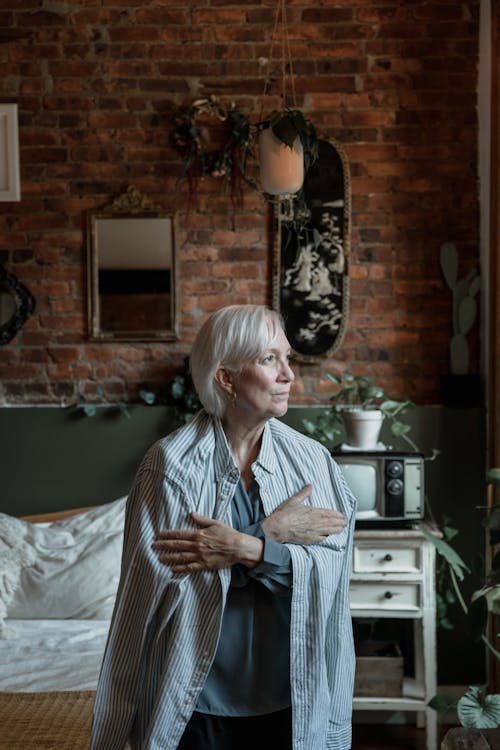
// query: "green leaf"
[[493, 476], [490, 597], [443, 703], [477, 709], [449, 532], [449, 554], [493, 520], [390, 406], [335, 379], [285, 130], [124, 411], [177, 387], [148, 397], [399, 428]]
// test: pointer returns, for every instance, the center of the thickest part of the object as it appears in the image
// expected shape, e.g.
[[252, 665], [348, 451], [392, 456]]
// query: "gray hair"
[[231, 337]]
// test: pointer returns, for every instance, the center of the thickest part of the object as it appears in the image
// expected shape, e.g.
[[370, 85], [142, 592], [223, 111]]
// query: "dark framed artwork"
[[16, 305], [311, 258]]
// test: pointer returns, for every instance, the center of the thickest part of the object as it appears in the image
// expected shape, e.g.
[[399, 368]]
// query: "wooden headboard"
[[57, 516]]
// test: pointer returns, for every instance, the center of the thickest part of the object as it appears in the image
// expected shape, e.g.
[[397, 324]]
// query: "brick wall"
[[96, 83]]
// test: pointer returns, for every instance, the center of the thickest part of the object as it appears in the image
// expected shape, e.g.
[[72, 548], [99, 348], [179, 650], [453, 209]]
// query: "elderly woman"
[[231, 624]]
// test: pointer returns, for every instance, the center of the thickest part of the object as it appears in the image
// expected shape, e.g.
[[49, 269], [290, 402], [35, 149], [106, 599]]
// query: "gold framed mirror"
[[311, 257], [132, 282]]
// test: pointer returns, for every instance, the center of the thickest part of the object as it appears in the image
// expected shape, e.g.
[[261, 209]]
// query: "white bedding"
[[46, 655]]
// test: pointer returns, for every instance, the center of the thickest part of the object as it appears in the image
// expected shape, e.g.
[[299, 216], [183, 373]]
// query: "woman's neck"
[[244, 443]]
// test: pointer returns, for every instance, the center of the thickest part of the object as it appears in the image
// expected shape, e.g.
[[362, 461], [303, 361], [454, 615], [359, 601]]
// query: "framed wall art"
[[10, 184], [311, 257]]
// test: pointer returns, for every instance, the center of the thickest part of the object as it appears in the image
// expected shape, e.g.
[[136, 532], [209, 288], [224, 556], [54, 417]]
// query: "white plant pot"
[[281, 167], [362, 428]]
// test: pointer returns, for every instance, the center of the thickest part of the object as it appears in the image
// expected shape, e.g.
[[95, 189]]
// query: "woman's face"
[[262, 388]]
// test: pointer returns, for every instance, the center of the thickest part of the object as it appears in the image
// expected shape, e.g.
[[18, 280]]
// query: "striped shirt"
[[165, 627]]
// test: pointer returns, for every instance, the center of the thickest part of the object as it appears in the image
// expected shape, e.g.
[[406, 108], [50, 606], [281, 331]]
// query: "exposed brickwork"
[[96, 83]]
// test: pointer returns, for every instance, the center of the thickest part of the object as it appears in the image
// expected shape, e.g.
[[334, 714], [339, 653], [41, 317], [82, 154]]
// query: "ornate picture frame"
[[132, 271]]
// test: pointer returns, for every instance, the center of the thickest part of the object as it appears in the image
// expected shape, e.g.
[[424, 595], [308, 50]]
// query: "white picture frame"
[[10, 183]]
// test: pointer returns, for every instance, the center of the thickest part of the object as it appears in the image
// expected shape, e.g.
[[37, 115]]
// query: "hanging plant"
[[288, 125], [201, 158], [288, 142]]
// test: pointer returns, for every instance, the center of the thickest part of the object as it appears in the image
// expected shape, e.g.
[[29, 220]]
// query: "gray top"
[[251, 671]]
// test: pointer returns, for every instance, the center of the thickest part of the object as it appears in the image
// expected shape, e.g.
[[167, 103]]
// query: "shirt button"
[[188, 699], [222, 497]]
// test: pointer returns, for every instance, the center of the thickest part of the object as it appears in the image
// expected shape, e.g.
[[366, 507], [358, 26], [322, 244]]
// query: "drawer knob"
[[388, 595], [388, 558]]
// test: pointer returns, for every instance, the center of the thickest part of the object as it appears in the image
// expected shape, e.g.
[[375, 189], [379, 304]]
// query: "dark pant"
[[206, 732]]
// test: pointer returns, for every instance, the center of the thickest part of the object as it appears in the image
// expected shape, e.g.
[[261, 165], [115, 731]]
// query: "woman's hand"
[[296, 523], [213, 545]]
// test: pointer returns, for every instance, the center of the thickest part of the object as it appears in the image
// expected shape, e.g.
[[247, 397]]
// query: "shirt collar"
[[267, 456], [223, 458]]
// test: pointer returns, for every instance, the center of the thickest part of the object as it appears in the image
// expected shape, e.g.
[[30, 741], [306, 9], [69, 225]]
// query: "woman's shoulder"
[[282, 432], [184, 446]]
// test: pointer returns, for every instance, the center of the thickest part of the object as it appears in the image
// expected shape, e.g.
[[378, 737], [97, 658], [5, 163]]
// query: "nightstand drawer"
[[386, 559], [384, 596]]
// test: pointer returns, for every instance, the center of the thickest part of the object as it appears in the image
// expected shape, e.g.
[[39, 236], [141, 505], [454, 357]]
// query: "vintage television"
[[389, 486]]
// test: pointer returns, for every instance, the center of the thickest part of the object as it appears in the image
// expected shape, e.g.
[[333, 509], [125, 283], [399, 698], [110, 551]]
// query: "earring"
[[233, 398]]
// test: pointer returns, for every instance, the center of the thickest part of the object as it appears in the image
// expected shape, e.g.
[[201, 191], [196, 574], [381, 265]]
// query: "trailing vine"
[[201, 159]]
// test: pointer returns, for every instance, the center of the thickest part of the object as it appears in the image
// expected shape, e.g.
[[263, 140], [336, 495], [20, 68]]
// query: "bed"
[[58, 579]]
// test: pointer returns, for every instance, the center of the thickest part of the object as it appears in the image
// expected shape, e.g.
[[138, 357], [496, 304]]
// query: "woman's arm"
[[295, 523], [213, 545], [217, 545]]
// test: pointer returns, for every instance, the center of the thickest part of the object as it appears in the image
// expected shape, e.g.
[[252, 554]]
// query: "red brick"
[[394, 83]]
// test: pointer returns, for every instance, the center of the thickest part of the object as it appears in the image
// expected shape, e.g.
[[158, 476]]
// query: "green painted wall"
[[55, 458]]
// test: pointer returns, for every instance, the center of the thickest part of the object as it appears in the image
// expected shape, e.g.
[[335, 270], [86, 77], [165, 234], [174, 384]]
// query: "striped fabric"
[[165, 626]]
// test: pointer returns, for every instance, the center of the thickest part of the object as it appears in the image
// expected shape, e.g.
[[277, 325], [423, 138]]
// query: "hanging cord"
[[281, 29], [286, 52]]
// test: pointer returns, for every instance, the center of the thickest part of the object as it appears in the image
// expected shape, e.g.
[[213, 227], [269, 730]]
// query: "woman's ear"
[[224, 380]]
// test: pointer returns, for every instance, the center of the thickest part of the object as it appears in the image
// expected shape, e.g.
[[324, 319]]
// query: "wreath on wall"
[[195, 127]]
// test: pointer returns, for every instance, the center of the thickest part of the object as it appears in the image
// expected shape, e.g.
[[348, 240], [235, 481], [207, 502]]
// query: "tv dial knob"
[[394, 468], [394, 486]]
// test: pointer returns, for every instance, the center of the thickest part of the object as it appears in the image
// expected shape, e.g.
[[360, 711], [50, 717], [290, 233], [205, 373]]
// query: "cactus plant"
[[464, 306]]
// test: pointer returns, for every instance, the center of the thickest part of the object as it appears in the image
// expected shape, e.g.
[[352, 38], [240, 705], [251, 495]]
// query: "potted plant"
[[288, 146], [358, 410], [477, 708]]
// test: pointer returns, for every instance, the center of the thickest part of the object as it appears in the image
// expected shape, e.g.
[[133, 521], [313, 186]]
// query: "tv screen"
[[362, 481]]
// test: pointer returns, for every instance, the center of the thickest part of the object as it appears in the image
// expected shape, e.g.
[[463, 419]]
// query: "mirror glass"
[[132, 284], [7, 305], [311, 258], [16, 305]]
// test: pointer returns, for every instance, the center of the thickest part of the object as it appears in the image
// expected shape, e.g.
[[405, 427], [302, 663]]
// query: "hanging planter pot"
[[288, 146], [281, 166]]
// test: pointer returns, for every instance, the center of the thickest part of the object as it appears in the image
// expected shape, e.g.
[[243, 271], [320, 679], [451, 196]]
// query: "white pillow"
[[66, 569]]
